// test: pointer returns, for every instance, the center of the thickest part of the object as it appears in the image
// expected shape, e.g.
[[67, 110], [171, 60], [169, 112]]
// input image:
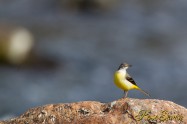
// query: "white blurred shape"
[[21, 43]]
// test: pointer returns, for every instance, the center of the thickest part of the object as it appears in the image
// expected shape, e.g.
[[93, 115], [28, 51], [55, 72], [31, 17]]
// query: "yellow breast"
[[119, 80]]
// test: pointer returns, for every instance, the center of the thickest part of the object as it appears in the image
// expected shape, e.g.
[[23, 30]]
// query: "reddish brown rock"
[[122, 111]]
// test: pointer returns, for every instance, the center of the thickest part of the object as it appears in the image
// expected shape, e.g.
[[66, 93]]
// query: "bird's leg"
[[126, 92]]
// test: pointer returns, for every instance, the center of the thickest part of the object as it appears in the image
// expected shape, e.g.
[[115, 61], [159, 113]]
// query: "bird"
[[124, 81]]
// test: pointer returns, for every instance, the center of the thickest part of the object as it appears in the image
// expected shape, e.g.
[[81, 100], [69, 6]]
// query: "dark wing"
[[129, 78]]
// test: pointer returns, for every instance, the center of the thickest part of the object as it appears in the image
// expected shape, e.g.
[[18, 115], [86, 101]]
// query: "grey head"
[[124, 66]]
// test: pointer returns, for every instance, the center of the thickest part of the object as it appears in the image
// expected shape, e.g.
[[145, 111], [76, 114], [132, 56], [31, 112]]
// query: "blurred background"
[[59, 51]]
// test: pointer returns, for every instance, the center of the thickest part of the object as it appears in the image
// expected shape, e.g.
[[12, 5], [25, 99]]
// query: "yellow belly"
[[119, 80]]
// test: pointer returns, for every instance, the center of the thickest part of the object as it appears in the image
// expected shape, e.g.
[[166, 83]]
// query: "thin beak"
[[130, 65]]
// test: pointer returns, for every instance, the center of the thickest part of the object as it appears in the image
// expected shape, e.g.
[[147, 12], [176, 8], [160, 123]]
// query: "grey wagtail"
[[124, 81]]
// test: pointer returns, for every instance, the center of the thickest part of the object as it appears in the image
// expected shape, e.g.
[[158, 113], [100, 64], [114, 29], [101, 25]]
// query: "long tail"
[[144, 92], [147, 94]]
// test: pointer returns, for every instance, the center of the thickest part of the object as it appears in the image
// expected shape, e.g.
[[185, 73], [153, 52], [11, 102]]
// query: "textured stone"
[[117, 112]]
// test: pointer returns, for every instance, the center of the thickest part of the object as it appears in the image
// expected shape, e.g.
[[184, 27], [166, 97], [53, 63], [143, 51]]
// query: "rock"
[[122, 111]]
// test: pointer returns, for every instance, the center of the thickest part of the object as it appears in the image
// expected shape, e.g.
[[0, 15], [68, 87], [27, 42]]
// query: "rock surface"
[[122, 111]]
